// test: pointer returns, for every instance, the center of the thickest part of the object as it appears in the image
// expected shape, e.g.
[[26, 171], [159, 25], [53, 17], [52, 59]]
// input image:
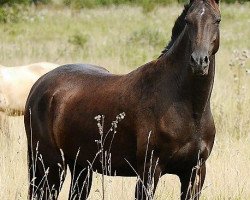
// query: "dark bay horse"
[[168, 127]]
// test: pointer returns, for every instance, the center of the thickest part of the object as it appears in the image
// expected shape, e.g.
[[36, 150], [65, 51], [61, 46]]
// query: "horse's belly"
[[125, 167], [116, 157], [117, 162]]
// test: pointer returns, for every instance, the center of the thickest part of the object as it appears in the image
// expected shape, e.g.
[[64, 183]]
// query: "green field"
[[121, 39]]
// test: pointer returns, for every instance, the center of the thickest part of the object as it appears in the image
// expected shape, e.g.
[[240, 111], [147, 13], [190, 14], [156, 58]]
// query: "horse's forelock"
[[214, 2]]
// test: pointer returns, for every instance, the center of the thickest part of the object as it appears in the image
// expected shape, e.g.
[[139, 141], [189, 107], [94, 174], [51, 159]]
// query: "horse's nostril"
[[206, 59], [199, 59], [192, 59]]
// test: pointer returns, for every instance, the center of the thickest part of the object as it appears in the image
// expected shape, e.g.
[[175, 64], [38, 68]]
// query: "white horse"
[[15, 84]]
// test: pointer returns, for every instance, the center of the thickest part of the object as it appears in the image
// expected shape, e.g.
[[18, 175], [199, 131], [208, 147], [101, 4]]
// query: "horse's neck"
[[173, 73], [201, 89]]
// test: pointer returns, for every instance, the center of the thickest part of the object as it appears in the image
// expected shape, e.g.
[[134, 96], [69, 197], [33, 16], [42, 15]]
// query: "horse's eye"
[[218, 21], [187, 21]]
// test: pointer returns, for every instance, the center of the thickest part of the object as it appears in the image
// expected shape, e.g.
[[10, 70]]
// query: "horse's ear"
[[217, 1]]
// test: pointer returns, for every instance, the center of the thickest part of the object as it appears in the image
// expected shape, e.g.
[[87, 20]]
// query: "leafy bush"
[[11, 2], [25, 2], [79, 40], [3, 15], [11, 14]]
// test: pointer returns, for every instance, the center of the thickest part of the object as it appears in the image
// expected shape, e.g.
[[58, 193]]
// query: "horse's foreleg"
[[81, 180], [147, 181], [192, 182]]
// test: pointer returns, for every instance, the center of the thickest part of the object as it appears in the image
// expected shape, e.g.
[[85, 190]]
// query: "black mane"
[[177, 29]]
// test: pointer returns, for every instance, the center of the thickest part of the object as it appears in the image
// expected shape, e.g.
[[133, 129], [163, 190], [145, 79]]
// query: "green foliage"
[[79, 40], [12, 14], [12, 2], [234, 1], [43, 1], [148, 5], [23, 2], [80, 3], [3, 15], [147, 36]]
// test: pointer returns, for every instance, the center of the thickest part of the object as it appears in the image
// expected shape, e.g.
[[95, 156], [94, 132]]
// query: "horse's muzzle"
[[199, 63]]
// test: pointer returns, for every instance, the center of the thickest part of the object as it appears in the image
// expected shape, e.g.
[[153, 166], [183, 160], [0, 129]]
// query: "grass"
[[121, 39]]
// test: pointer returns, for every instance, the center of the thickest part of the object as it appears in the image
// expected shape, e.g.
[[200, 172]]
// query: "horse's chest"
[[182, 142]]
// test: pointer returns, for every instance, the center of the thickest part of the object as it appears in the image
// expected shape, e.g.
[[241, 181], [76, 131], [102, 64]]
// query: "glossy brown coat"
[[168, 99]]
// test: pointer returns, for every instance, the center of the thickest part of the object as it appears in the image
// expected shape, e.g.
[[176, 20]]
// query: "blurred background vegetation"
[[95, 3], [14, 10]]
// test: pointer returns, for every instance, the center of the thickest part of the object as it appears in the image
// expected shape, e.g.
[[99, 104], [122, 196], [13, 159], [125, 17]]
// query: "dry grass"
[[98, 36]]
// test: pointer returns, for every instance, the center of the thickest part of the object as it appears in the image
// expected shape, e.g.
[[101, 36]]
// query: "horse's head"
[[202, 25]]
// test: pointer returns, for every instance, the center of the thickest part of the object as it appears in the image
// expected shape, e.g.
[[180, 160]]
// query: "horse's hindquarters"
[[63, 108]]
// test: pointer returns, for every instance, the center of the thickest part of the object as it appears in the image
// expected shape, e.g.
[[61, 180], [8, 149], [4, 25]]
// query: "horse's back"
[[87, 69], [65, 83], [66, 75]]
